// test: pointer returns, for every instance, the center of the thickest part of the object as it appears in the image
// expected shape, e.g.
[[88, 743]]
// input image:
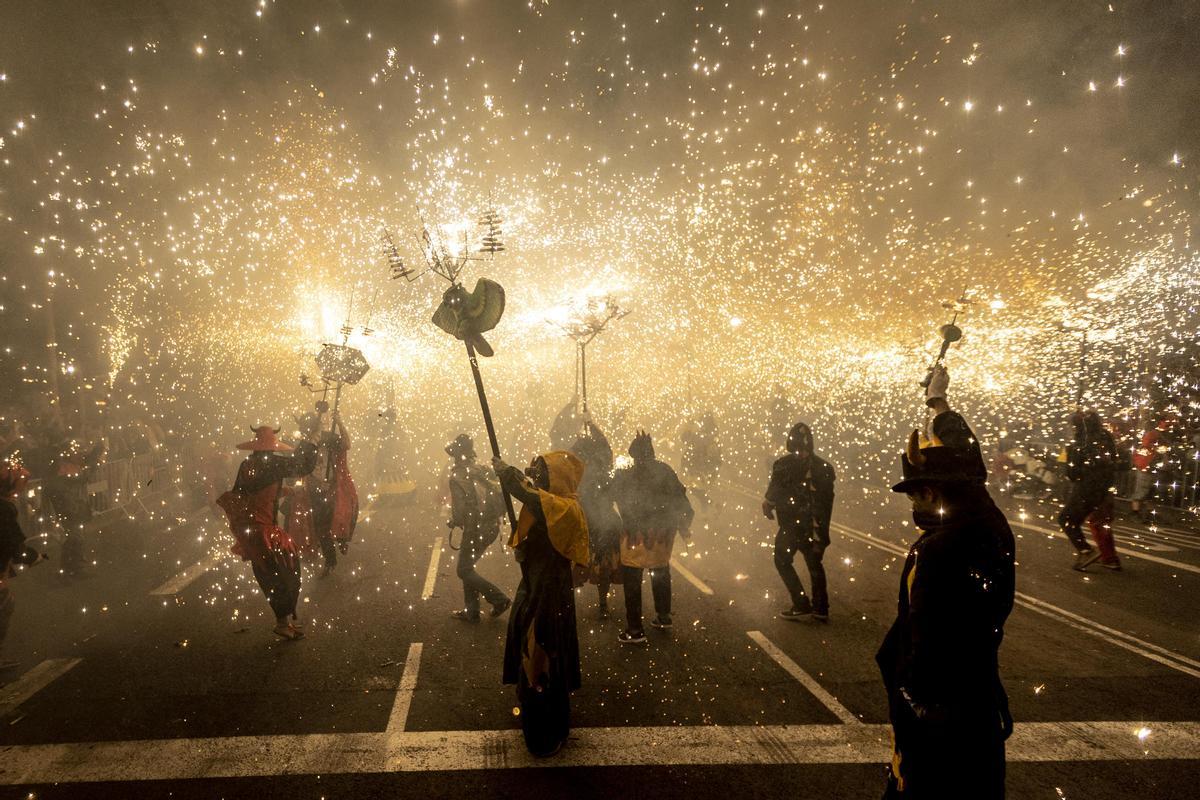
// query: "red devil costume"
[[252, 506]]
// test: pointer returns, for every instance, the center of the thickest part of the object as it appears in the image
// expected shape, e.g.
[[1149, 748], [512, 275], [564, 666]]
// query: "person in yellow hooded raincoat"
[[541, 654]]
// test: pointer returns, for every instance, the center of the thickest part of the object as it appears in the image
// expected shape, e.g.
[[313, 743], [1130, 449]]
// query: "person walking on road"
[[13, 550], [654, 507], [800, 497], [940, 658], [604, 524], [476, 506], [541, 652], [1092, 469], [332, 497], [252, 507]]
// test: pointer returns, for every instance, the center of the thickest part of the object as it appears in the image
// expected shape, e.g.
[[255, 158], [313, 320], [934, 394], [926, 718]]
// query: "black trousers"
[[280, 584], [322, 523], [788, 542], [660, 587], [1081, 502], [474, 584]]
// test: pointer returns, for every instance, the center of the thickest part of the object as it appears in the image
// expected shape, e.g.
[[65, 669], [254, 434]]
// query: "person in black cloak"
[[541, 654], [604, 524], [940, 658], [800, 497]]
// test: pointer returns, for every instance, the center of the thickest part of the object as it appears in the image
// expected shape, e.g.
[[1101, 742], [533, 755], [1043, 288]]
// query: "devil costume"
[[800, 497], [541, 654], [654, 507], [252, 506], [939, 660]]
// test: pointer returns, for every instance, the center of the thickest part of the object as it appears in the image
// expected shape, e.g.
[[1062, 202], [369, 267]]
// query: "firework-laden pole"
[[583, 372], [950, 333], [464, 315], [491, 427]]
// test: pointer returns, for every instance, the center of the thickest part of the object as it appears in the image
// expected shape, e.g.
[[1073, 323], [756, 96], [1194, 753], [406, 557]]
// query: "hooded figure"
[[604, 524], [252, 507], [654, 507], [800, 497], [1092, 470], [541, 654], [940, 658]]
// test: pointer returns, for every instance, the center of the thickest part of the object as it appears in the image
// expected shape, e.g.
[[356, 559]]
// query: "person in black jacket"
[[940, 658], [654, 507], [1092, 469], [13, 550], [476, 506], [800, 497]]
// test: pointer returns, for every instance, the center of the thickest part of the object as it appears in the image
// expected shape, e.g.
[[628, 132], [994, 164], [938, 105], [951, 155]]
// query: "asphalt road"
[[157, 676]]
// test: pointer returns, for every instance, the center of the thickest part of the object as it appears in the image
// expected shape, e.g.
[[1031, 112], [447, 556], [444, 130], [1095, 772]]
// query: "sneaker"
[[1085, 558], [632, 637], [498, 610], [821, 616], [662, 622], [1114, 565], [464, 616], [796, 614]]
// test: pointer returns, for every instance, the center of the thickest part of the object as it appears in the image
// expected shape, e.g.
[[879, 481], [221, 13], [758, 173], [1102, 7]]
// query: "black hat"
[[800, 436], [461, 446], [933, 463]]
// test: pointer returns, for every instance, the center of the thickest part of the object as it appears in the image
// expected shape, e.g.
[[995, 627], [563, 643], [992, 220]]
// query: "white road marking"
[[1170, 658], [796, 671], [692, 579], [431, 575], [180, 582], [33, 681], [404, 692], [428, 751], [1122, 550]]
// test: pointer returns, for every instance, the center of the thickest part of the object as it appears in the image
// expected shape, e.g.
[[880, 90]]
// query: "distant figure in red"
[[1092, 461], [1145, 456], [13, 550], [252, 506]]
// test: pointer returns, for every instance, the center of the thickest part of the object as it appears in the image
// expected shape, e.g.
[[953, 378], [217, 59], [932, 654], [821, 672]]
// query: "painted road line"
[[431, 575], [404, 692], [33, 681], [1122, 550], [792, 668], [182, 580], [429, 751], [692, 579], [1149, 650]]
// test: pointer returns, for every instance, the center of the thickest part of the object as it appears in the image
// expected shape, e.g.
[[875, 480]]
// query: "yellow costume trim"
[[564, 516]]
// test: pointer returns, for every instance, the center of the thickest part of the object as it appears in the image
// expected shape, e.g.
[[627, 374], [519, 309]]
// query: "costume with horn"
[[541, 654], [252, 506], [654, 507], [939, 660]]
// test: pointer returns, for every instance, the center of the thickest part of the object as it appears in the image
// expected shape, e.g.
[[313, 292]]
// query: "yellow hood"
[[564, 517]]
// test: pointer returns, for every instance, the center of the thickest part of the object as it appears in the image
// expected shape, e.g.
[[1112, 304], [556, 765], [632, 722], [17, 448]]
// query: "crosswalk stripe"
[[404, 692], [437, 751]]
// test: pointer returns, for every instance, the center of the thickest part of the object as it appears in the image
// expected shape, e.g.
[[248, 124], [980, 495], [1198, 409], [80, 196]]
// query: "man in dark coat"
[[1092, 470], [939, 660], [654, 507], [800, 497], [476, 506]]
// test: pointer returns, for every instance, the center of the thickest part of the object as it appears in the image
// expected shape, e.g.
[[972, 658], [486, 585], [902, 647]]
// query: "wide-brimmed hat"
[[264, 439], [933, 462]]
